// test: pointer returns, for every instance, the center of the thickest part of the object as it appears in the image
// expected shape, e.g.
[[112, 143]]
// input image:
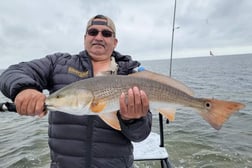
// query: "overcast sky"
[[31, 29]]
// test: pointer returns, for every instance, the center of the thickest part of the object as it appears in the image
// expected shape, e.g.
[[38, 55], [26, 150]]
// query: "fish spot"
[[208, 105]]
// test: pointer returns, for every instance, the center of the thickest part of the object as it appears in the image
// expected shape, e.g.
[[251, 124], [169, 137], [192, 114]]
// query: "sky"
[[32, 29]]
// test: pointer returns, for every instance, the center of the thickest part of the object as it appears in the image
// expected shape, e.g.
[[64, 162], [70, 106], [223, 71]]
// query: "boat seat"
[[149, 150]]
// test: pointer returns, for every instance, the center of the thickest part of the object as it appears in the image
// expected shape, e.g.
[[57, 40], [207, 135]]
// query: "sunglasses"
[[94, 32]]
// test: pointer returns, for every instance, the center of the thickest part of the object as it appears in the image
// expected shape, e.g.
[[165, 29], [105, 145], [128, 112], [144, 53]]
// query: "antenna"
[[173, 29]]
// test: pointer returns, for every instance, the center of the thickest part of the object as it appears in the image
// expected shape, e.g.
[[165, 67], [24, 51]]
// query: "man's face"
[[100, 41]]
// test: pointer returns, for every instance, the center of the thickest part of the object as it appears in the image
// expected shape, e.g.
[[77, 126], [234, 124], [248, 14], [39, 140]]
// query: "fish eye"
[[58, 96]]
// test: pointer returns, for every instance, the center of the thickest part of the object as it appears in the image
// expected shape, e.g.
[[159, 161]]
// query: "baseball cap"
[[108, 22]]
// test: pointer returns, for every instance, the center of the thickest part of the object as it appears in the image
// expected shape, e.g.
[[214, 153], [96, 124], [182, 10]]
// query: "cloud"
[[32, 29]]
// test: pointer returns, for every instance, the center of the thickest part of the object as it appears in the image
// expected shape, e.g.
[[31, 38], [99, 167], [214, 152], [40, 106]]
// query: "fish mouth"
[[50, 107]]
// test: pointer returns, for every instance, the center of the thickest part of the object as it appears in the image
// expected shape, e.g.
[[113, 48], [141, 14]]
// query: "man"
[[82, 141]]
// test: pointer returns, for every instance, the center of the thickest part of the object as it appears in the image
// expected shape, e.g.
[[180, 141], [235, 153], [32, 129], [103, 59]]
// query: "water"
[[190, 141]]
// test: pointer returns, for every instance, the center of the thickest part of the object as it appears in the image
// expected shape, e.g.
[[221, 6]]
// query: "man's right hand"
[[30, 102]]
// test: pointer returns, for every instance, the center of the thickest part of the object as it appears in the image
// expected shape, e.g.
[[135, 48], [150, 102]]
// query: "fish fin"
[[218, 111], [97, 107], [111, 119], [164, 79], [167, 113]]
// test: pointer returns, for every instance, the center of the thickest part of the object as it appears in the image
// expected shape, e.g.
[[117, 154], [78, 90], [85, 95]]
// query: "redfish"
[[100, 96]]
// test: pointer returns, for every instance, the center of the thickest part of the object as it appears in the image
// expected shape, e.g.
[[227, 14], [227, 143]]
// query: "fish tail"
[[218, 111]]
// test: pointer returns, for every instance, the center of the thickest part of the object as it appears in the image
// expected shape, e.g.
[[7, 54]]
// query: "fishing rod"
[[8, 107]]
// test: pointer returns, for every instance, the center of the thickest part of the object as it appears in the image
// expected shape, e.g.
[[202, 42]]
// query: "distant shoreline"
[[232, 55]]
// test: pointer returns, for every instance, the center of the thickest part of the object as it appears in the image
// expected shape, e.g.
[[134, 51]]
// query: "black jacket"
[[77, 141]]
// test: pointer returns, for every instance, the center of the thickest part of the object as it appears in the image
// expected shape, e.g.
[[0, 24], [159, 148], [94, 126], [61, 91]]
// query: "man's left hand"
[[135, 105]]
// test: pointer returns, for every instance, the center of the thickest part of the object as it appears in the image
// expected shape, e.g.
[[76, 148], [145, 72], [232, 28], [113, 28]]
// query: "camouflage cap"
[[108, 22]]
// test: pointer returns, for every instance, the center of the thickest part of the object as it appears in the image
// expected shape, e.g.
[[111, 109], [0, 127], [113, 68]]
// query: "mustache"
[[98, 43]]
